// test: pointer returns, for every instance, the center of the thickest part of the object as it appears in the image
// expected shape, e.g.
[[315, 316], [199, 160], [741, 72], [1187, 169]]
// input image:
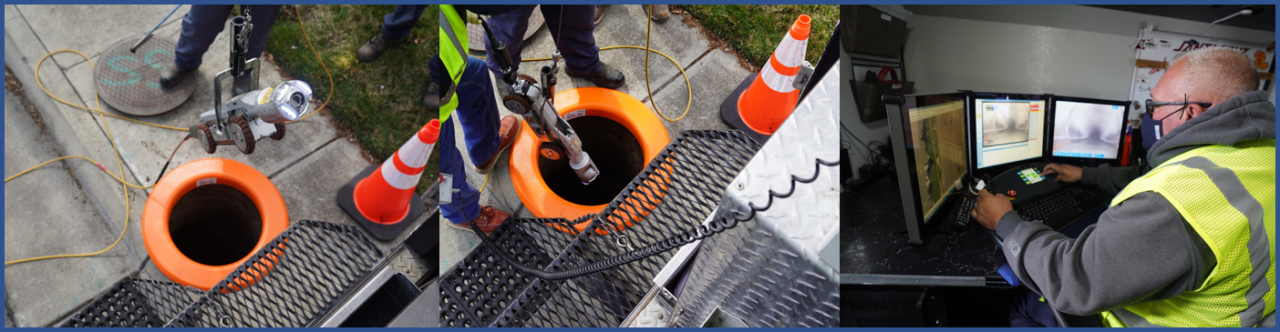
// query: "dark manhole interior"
[[215, 225], [616, 152]]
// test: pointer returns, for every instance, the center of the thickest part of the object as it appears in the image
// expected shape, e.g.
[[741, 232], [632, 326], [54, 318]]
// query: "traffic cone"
[[381, 198], [762, 102]]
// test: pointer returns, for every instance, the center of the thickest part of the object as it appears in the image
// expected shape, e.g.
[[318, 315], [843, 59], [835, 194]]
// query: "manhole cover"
[[130, 81], [475, 32]]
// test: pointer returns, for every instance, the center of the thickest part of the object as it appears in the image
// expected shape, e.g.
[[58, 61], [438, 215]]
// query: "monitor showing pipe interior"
[[1087, 130], [1009, 130]]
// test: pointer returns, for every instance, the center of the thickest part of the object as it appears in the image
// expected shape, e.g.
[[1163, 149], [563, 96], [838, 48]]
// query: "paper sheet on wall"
[[1163, 46]]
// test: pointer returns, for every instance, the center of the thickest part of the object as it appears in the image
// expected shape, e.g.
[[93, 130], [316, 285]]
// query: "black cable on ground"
[[167, 161]]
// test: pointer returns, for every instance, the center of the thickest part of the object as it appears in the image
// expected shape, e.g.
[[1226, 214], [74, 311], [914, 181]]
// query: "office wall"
[[1091, 19], [1067, 50], [948, 54]]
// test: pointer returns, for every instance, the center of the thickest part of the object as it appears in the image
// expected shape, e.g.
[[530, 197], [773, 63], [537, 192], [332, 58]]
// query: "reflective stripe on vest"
[[454, 62], [1182, 181]]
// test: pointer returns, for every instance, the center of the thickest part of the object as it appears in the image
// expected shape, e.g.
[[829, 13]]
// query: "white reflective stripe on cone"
[[396, 179], [790, 52], [414, 153], [777, 82]]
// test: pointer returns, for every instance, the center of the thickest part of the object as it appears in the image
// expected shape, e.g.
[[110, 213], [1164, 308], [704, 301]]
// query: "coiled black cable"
[[726, 218]]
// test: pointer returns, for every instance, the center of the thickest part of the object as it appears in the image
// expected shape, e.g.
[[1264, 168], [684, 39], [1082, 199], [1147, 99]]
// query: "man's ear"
[[1193, 110]]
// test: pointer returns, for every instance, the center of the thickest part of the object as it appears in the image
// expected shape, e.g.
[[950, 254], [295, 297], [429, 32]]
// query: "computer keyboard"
[[1057, 210], [1062, 207]]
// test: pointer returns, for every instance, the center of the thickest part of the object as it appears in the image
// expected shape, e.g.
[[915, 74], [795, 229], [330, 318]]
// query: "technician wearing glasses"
[[1190, 242]]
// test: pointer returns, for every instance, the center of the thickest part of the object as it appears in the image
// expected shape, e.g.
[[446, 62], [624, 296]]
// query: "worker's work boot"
[[488, 220], [604, 76], [174, 75], [432, 99], [507, 132], [372, 49], [660, 13], [599, 13]]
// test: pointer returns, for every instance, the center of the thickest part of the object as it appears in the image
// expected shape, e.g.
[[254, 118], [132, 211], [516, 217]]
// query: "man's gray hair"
[[1217, 72]]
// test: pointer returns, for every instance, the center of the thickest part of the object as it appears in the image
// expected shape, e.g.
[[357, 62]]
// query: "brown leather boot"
[[488, 220], [507, 133], [660, 13], [599, 13]]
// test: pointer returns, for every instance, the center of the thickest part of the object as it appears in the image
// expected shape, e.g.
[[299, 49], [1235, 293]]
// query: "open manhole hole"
[[215, 225], [614, 149]]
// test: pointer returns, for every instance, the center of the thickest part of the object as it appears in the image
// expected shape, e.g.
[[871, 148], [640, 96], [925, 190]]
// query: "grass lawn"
[[755, 30], [379, 102]]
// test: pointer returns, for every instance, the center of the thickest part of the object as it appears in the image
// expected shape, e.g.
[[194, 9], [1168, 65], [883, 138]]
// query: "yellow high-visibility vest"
[[453, 53], [1226, 193]]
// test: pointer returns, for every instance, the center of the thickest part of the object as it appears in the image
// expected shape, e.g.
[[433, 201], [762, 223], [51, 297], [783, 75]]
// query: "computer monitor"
[[1007, 128], [1087, 131], [928, 139]]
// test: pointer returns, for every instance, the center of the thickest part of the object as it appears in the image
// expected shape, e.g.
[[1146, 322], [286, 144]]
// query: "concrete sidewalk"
[[713, 74], [73, 207]]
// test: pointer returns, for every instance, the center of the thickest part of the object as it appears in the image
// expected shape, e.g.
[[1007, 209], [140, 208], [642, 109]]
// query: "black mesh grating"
[[483, 286], [136, 302], [290, 282], [678, 189]]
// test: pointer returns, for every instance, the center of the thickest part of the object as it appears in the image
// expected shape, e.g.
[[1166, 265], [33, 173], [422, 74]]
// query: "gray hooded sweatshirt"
[[1141, 249]]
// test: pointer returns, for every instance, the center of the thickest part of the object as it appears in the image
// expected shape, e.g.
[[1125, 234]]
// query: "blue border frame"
[[906, 2]]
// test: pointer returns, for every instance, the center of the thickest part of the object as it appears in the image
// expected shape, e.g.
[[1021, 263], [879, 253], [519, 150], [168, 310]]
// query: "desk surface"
[[874, 248]]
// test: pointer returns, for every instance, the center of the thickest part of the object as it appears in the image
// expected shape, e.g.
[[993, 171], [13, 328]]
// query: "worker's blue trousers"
[[577, 42], [396, 26], [203, 23], [1026, 310], [478, 113]]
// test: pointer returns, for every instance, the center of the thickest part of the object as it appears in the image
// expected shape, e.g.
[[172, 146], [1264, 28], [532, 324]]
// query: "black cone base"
[[729, 111], [382, 232]]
